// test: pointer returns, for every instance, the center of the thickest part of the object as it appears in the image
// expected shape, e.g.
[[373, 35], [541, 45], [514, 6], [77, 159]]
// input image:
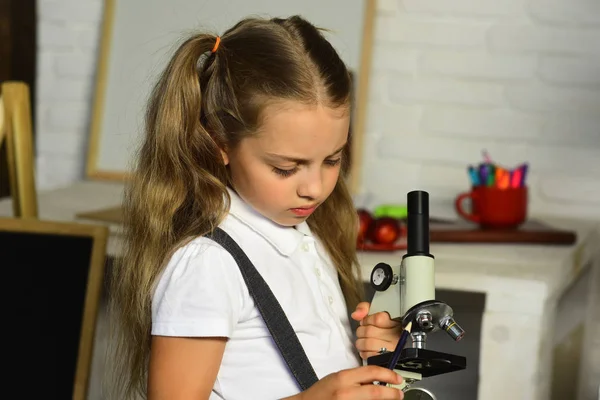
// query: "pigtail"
[[176, 191]]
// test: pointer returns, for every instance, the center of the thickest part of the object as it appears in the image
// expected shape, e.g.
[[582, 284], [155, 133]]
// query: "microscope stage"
[[423, 361]]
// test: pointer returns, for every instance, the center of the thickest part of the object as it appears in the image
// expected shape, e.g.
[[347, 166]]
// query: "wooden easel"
[[16, 132]]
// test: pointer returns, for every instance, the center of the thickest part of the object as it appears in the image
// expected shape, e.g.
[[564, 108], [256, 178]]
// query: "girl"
[[248, 132]]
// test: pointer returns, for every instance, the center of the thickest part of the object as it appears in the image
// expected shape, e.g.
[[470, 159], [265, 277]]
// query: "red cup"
[[492, 207]]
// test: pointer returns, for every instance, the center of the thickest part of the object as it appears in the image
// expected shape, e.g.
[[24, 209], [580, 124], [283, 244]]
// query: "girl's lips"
[[304, 211]]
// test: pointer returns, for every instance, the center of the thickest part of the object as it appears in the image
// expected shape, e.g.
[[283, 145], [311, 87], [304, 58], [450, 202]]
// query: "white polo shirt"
[[202, 293]]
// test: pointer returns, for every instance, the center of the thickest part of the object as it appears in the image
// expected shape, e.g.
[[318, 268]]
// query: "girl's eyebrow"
[[301, 160]]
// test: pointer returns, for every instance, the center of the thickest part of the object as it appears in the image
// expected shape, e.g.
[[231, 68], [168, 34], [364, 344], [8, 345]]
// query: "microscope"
[[407, 293]]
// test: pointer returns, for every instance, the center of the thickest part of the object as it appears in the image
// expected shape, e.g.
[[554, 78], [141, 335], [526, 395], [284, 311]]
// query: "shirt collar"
[[285, 239]]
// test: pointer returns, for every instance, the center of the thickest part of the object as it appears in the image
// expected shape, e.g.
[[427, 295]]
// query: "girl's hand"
[[375, 331], [355, 384]]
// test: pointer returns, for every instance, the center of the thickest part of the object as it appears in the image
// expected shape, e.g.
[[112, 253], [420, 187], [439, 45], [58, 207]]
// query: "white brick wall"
[[520, 78], [67, 51]]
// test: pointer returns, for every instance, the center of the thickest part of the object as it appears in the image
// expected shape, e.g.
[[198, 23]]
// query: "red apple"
[[384, 230], [364, 222]]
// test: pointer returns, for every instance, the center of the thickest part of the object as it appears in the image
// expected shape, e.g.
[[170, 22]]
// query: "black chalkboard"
[[53, 272]]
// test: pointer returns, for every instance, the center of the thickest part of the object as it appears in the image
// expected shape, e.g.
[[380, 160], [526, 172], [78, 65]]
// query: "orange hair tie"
[[216, 46]]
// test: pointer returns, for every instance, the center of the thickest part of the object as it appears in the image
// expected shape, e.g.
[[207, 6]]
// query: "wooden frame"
[[18, 136], [359, 120], [2, 127], [100, 97], [99, 236], [362, 100]]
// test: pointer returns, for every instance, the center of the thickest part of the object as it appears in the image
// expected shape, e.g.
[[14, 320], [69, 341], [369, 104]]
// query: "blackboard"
[[52, 275]]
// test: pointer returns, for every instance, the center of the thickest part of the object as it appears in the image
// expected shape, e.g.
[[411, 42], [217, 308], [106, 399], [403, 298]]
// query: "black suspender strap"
[[279, 326]]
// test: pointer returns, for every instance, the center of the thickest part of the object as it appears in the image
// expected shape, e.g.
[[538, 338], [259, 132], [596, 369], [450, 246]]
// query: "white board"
[[139, 36]]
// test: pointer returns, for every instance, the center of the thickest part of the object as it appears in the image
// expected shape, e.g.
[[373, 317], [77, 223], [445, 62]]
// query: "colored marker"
[[524, 169], [491, 178], [483, 173], [486, 156], [516, 178], [474, 176], [502, 178]]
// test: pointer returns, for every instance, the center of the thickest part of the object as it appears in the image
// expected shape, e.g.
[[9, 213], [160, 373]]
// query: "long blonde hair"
[[202, 103]]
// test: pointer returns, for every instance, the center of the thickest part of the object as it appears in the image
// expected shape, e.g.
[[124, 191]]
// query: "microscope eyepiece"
[[417, 224], [418, 202]]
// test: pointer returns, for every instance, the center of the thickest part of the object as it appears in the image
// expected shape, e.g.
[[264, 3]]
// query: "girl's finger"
[[367, 354], [391, 334], [380, 319], [378, 392], [374, 345], [369, 374], [361, 311]]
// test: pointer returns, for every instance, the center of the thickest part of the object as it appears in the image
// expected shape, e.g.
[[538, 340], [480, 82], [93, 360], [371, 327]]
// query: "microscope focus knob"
[[382, 277]]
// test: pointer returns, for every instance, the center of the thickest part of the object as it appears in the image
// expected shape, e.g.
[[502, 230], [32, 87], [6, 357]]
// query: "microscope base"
[[422, 361]]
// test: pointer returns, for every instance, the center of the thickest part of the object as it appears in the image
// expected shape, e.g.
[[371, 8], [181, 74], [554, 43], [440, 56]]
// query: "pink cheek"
[[332, 177]]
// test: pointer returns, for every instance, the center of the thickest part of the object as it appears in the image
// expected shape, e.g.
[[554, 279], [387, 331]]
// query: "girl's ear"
[[225, 157]]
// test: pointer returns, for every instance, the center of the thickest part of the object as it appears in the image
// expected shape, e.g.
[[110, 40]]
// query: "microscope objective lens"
[[453, 329]]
